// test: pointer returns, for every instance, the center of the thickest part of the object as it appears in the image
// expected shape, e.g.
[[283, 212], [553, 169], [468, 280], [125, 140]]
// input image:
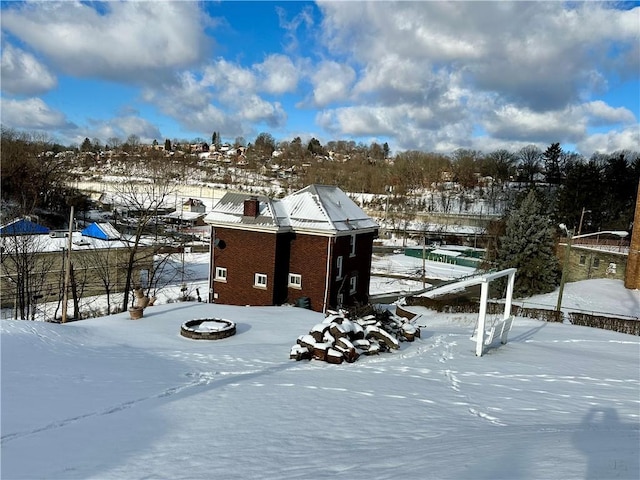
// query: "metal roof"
[[316, 208], [22, 226]]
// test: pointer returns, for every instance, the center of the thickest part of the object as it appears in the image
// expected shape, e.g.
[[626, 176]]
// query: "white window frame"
[[353, 285], [221, 274], [260, 280], [352, 244], [339, 262], [295, 280]]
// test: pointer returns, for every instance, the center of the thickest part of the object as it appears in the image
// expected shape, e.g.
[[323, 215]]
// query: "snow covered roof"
[[184, 215], [229, 211], [449, 253], [44, 243], [316, 208], [102, 231], [324, 207]]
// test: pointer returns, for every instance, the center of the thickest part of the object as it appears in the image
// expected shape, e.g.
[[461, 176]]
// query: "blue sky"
[[432, 76]]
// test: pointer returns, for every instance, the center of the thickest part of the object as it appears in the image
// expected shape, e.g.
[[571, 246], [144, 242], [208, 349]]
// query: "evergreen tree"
[[214, 138], [167, 145], [552, 157], [528, 245], [86, 145]]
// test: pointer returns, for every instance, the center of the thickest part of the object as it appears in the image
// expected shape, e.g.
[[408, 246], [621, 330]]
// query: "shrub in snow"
[[340, 339]]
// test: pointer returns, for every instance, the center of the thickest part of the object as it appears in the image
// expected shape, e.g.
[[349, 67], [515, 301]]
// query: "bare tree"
[[529, 162], [143, 199], [25, 270], [101, 266]]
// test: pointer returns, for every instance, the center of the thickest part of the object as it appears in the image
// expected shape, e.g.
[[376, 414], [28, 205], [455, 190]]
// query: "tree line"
[[555, 186], [599, 190]]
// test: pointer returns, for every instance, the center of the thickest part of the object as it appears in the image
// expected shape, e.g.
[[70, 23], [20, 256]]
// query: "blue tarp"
[[102, 231], [22, 226]]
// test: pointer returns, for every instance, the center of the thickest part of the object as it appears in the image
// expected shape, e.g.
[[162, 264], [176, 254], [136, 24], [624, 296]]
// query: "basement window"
[[221, 274], [260, 280], [295, 280]]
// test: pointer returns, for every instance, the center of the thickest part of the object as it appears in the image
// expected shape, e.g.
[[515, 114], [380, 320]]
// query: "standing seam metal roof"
[[315, 207]]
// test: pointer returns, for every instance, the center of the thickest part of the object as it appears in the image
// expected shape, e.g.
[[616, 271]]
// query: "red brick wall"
[[309, 259], [245, 254], [359, 265]]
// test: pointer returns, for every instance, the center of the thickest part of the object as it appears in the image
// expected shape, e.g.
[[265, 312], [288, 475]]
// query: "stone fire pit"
[[208, 329]]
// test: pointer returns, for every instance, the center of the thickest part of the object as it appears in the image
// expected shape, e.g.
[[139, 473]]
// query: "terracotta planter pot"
[[136, 313]]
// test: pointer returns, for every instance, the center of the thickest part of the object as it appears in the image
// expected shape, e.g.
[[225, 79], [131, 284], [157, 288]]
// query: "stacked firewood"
[[340, 339]]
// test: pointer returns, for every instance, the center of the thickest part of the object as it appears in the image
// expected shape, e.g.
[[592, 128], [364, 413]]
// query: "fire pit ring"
[[208, 329]]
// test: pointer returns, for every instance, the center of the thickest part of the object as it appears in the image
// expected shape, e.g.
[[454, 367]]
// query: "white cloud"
[[513, 122], [32, 114], [254, 109], [407, 123], [23, 74], [612, 141], [302, 19], [229, 78], [113, 40], [223, 99], [331, 82], [568, 125], [523, 72], [277, 74], [602, 114]]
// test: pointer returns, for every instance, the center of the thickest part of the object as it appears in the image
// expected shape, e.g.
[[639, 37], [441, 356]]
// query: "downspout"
[[327, 276], [212, 246]]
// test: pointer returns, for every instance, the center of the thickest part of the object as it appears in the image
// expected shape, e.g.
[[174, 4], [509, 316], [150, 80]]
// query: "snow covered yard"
[[116, 398]]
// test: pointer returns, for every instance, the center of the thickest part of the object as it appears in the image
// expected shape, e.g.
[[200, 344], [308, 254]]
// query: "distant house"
[[194, 205], [312, 248], [191, 214], [33, 263]]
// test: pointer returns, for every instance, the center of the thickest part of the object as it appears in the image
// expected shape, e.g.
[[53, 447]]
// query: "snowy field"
[[114, 398]]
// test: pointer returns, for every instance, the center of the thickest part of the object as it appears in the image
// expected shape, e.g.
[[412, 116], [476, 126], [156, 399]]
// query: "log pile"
[[339, 339]]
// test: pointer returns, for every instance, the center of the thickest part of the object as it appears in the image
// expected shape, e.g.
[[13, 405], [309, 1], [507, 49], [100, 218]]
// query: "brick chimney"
[[632, 275], [251, 207]]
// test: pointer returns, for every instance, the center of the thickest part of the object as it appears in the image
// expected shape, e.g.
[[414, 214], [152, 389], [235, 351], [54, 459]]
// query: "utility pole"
[[424, 266], [67, 271], [565, 267]]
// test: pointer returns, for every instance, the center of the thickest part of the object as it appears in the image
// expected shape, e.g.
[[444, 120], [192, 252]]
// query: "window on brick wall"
[[583, 259], [295, 280], [596, 262], [260, 280], [339, 268], [221, 274]]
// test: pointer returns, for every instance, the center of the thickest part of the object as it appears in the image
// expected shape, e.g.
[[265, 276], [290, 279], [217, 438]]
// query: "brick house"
[[313, 246]]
